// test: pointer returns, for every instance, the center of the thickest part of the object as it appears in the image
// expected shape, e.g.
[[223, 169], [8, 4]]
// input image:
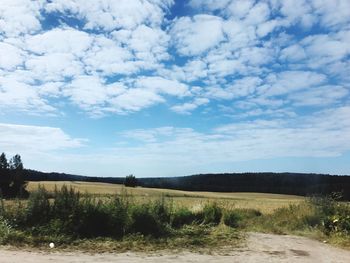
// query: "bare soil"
[[259, 248]]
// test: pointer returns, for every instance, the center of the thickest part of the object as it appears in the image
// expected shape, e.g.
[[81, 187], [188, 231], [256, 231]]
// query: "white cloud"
[[110, 14], [240, 8], [258, 14], [313, 136], [334, 14], [239, 88], [19, 96], [323, 49], [239, 35], [135, 99], [29, 140], [289, 81], [162, 85], [267, 27], [60, 40], [19, 17], [211, 5], [93, 95], [10, 56], [319, 96], [86, 91], [126, 56], [187, 107], [53, 66], [298, 11], [108, 57], [193, 36], [293, 53], [149, 44]]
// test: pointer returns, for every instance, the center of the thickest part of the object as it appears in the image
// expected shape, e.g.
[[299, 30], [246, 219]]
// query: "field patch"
[[265, 202]]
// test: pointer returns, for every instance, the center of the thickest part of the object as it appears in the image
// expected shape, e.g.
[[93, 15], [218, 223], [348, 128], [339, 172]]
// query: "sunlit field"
[[152, 219], [264, 202]]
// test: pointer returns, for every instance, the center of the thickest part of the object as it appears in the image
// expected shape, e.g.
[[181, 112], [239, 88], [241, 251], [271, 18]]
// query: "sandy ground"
[[259, 248]]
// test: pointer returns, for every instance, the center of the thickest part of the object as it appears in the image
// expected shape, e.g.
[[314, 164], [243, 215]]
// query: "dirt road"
[[259, 248]]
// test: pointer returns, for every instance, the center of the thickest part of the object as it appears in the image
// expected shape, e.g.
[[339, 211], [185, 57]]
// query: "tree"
[[16, 163], [12, 181], [3, 162], [130, 181]]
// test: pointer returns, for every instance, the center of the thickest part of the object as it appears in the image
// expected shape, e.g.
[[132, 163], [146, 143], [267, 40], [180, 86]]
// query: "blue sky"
[[167, 88]]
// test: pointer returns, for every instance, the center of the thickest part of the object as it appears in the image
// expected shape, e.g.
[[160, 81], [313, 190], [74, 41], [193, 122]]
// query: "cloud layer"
[[249, 64]]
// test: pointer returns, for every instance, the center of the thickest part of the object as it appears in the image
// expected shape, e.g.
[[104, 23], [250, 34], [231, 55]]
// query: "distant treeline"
[[279, 183], [33, 175]]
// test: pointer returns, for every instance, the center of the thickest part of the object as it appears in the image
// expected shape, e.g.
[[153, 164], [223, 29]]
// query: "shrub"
[[232, 218], [66, 202], [93, 219], [38, 209], [119, 216], [161, 210], [240, 217], [334, 215], [212, 214], [144, 221], [5, 230], [182, 216]]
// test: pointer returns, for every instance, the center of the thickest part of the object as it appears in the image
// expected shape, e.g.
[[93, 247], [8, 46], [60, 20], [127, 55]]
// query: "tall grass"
[[65, 214]]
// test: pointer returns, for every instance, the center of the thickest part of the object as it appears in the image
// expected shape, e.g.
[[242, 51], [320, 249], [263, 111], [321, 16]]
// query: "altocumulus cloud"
[[270, 73]]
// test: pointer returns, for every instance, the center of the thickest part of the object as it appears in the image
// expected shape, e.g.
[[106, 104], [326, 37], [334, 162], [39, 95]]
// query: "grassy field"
[[266, 203], [151, 219]]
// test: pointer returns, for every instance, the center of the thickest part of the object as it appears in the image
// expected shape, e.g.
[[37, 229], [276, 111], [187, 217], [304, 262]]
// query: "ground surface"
[[266, 203], [259, 248]]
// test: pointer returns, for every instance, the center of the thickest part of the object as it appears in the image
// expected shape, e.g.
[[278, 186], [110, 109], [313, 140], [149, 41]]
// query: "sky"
[[170, 88]]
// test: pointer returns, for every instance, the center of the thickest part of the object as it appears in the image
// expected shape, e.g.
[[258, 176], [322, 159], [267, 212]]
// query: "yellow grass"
[[266, 203]]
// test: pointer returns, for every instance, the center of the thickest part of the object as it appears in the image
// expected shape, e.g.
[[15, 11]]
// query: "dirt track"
[[260, 248]]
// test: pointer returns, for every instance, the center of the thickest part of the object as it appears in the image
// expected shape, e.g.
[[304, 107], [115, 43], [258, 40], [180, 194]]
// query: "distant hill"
[[279, 183]]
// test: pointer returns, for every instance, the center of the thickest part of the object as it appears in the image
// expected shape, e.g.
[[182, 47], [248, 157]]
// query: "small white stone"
[[51, 245]]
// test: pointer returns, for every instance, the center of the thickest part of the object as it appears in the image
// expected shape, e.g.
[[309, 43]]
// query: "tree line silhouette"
[[278, 183], [12, 177], [13, 180]]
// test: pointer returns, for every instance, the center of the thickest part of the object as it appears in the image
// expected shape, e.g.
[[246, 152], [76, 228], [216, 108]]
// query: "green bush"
[[144, 221], [334, 216], [161, 210], [183, 216], [66, 202], [119, 216], [212, 214], [5, 230], [232, 218], [93, 219], [38, 209]]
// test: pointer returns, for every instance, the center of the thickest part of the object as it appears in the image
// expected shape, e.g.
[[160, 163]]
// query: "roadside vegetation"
[[119, 222]]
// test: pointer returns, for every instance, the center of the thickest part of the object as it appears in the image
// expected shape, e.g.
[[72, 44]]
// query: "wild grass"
[[66, 216], [322, 218], [265, 202], [123, 221]]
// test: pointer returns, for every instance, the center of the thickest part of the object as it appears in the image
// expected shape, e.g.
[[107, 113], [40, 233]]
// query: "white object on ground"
[[51, 245]]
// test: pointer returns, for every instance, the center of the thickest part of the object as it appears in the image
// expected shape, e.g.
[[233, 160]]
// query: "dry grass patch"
[[265, 202]]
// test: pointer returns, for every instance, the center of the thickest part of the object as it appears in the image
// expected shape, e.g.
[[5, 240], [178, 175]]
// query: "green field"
[[266, 203]]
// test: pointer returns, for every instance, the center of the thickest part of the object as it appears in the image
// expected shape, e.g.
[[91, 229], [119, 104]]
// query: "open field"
[[266, 203], [148, 219]]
